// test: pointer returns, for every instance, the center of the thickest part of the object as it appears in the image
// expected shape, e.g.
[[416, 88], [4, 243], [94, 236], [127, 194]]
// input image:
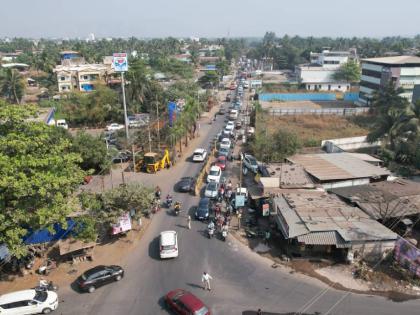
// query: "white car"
[[114, 127], [230, 125], [225, 143], [233, 114], [211, 190], [199, 155], [28, 302], [168, 244], [214, 174]]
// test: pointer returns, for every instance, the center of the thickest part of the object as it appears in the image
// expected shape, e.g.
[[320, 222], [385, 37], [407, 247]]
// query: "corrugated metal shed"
[[337, 166], [323, 238]]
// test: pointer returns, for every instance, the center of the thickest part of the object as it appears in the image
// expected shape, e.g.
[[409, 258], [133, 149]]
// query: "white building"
[[404, 71], [318, 74]]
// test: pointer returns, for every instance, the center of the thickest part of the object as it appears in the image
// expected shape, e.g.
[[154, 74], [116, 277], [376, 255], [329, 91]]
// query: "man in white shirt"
[[206, 280]]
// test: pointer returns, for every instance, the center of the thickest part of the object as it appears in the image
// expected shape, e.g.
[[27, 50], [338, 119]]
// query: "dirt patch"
[[310, 129], [113, 252]]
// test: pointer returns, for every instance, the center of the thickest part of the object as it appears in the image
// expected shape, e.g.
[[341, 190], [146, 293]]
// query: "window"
[[62, 78], [371, 73], [329, 87], [369, 85], [85, 77], [339, 86], [64, 87], [319, 86]]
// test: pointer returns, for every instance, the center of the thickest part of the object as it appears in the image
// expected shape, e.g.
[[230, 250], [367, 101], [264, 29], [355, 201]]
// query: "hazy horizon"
[[216, 19]]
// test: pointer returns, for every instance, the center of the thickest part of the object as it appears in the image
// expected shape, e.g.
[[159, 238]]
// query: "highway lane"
[[243, 280]]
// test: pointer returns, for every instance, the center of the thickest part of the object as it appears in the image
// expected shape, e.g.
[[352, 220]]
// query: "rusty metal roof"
[[337, 166]]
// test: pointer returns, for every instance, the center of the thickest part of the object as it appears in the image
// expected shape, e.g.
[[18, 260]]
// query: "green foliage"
[[86, 228], [93, 152], [172, 66], [397, 125], [275, 147], [38, 175], [108, 207], [349, 72], [12, 86], [209, 78], [91, 109]]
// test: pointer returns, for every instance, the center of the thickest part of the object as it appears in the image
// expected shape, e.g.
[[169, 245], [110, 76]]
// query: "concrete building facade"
[[403, 71], [318, 75]]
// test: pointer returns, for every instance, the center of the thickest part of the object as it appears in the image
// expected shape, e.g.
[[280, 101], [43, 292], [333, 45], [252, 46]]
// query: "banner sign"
[[265, 210], [120, 62], [123, 225], [172, 110], [239, 201]]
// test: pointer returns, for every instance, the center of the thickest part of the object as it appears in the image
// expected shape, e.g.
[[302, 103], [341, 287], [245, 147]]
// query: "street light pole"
[[125, 107]]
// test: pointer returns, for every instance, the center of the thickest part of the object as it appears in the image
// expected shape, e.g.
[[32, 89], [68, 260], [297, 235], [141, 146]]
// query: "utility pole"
[[150, 139], [158, 122], [125, 107]]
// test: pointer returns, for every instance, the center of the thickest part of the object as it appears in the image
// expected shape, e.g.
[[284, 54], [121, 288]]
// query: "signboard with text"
[[120, 62]]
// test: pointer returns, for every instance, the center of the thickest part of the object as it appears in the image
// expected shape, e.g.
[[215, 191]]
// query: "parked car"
[[199, 155], [238, 125], [222, 111], [221, 162], [227, 98], [224, 152], [250, 162], [28, 302], [225, 143], [186, 184], [214, 174], [185, 303], [203, 209], [98, 276], [168, 244], [114, 127], [211, 190]]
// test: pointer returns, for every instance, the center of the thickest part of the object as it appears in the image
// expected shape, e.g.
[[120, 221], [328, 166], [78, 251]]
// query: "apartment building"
[[318, 75], [74, 74], [403, 71]]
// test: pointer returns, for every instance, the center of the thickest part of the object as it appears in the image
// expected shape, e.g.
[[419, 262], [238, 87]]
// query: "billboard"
[[172, 110], [120, 62]]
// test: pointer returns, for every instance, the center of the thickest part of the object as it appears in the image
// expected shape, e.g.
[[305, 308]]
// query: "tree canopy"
[[349, 72], [38, 175]]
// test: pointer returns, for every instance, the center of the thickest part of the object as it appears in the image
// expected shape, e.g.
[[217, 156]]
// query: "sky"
[[211, 18]]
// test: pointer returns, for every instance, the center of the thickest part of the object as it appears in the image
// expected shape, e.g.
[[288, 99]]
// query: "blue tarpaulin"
[[44, 236], [172, 110]]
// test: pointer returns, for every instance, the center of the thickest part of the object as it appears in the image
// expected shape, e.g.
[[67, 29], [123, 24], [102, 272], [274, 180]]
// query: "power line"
[[316, 297]]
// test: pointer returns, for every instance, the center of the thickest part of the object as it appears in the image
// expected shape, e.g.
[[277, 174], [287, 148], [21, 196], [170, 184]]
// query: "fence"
[[298, 97], [318, 111]]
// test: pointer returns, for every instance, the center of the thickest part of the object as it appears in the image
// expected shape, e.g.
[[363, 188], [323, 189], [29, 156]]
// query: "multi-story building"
[[75, 74], [318, 75], [403, 71]]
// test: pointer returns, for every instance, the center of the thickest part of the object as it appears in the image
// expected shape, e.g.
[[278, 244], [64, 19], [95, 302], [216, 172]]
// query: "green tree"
[[349, 72], [93, 152], [38, 175], [12, 86]]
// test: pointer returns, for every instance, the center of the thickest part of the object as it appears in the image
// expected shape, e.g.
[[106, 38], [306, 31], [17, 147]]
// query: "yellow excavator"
[[153, 162]]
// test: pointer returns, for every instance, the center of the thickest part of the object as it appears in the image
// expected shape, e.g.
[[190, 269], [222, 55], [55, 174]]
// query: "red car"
[[185, 303], [221, 162]]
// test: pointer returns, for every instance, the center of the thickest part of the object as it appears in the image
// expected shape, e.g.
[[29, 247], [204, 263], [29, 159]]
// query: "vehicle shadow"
[[194, 285], [154, 249], [75, 287]]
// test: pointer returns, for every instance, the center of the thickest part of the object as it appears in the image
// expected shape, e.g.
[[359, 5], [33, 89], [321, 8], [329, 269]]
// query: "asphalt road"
[[242, 280]]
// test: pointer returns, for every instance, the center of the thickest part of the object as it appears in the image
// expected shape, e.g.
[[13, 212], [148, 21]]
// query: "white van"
[[62, 123], [168, 244], [233, 114], [28, 302]]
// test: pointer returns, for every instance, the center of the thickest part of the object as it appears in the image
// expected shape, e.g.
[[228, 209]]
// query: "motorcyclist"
[[210, 226], [177, 207], [157, 192], [169, 200]]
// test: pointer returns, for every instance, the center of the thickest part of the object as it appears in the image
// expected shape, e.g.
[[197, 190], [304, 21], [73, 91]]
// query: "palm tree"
[[12, 86]]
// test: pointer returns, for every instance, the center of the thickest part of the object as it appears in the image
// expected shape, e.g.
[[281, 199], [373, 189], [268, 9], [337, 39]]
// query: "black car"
[[186, 184], [203, 209], [99, 276]]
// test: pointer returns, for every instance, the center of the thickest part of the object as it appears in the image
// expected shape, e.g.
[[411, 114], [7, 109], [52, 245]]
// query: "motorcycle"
[[224, 235], [169, 201], [177, 209], [210, 232], [45, 285]]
